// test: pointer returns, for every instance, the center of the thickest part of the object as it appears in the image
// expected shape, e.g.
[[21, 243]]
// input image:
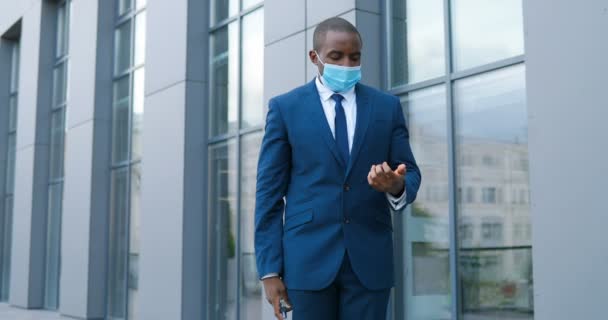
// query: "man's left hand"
[[382, 178]]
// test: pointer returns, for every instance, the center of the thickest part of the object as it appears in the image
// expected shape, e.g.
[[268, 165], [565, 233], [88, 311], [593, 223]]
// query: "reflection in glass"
[[252, 81], [224, 80], [134, 235], [10, 163], [250, 3], [140, 39], [140, 4], [59, 84], [127, 127], [62, 30], [426, 224], [124, 6], [7, 234], [418, 41], [15, 68], [6, 213], [122, 48], [252, 298], [118, 244], [486, 31], [492, 156], [53, 245], [57, 141], [138, 113], [222, 232], [120, 135], [12, 113], [222, 9]]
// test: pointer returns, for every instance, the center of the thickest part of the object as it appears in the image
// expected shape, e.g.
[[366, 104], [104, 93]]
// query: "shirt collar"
[[325, 93]]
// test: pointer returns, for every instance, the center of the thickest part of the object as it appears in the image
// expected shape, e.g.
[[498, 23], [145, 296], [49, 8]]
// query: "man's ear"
[[313, 56]]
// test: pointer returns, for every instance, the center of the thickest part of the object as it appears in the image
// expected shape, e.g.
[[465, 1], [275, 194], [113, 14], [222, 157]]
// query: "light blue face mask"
[[339, 78]]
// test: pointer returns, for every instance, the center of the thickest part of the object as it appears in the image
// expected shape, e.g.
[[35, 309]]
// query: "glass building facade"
[[459, 68], [125, 170], [236, 124], [9, 183], [57, 151]]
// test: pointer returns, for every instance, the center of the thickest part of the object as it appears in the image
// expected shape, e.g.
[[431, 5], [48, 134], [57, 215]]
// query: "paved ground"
[[11, 313]]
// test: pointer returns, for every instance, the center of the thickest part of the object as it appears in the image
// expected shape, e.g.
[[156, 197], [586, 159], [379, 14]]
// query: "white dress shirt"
[[349, 103]]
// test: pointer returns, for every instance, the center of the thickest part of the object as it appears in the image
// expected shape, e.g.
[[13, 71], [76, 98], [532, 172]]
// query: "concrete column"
[[87, 161], [173, 226], [32, 159], [567, 108]]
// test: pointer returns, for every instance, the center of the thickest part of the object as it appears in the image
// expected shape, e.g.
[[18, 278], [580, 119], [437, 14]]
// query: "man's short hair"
[[332, 24]]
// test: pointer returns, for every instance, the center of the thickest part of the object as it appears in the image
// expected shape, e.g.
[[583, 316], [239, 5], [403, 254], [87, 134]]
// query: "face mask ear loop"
[[319, 57]]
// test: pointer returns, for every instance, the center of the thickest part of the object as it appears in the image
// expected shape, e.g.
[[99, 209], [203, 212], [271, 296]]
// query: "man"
[[335, 157]]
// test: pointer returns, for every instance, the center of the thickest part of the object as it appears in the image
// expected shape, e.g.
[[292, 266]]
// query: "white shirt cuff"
[[270, 275], [397, 203]]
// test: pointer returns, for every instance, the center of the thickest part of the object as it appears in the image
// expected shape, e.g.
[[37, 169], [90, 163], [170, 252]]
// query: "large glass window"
[[491, 128], [426, 226], [418, 48], [57, 135], [466, 249], [486, 31], [236, 114], [6, 219], [127, 126]]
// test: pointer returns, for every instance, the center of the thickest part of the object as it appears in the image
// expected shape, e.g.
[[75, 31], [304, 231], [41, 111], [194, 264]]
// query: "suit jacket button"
[[346, 221], [346, 187]]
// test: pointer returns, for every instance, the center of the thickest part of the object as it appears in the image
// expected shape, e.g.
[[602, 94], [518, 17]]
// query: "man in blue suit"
[[334, 159]]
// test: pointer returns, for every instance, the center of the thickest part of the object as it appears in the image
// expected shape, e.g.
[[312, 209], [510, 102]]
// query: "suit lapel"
[[364, 108], [320, 121]]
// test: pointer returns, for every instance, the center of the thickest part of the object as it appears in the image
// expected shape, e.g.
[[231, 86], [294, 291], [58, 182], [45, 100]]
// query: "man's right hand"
[[275, 291]]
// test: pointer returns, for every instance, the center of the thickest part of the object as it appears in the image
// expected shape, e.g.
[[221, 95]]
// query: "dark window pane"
[[222, 9], [122, 48], [224, 81], [118, 244], [222, 233], [10, 164], [252, 81], [124, 6], [417, 41], [252, 297], [120, 122], [60, 74], [134, 235], [53, 246], [62, 30], [57, 144], [12, 113], [426, 225], [486, 31], [491, 128], [15, 68], [7, 233]]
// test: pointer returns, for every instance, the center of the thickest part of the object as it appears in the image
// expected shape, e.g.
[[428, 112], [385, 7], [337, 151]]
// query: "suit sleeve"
[[401, 153], [274, 167]]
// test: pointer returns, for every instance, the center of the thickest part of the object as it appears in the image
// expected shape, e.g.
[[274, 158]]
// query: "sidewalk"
[[8, 312]]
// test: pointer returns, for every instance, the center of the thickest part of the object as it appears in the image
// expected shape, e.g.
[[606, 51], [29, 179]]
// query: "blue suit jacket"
[[329, 206]]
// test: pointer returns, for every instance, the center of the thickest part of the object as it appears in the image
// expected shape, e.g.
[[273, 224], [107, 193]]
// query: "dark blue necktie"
[[340, 128]]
